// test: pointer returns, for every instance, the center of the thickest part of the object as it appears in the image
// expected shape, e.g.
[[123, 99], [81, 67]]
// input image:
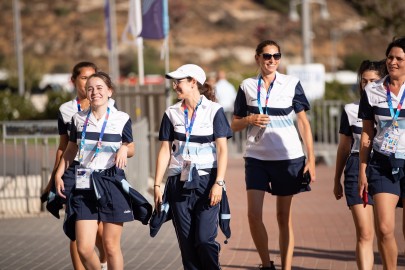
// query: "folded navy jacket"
[[141, 208], [158, 219]]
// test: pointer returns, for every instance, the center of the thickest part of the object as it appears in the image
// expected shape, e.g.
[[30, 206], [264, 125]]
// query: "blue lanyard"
[[389, 101], [78, 104], [82, 142], [267, 95], [189, 127]]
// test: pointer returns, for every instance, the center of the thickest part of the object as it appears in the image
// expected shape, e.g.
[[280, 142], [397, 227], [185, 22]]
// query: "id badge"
[[185, 170], [83, 177], [390, 141], [259, 134]]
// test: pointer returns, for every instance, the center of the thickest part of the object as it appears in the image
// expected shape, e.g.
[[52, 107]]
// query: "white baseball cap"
[[188, 70]]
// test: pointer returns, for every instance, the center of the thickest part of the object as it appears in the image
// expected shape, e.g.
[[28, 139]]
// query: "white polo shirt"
[[280, 140], [351, 125], [117, 131], [374, 106], [66, 112], [210, 124]]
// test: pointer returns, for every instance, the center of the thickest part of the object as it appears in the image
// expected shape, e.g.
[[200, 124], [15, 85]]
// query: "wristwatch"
[[220, 183]]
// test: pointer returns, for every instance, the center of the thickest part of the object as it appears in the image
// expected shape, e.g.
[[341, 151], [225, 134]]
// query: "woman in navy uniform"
[[80, 73], [194, 135], [347, 159], [274, 159], [382, 175], [101, 137]]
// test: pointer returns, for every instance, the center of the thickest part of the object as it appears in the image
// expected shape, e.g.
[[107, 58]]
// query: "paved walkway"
[[324, 235]]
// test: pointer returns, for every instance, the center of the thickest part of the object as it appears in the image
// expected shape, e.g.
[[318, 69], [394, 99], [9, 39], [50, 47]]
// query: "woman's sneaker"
[[271, 267]]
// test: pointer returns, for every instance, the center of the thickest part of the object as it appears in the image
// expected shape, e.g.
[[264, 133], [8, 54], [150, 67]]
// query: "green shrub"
[[55, 99], [15, 107]]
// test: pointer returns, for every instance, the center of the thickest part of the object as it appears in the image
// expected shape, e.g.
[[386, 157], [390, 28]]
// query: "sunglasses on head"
[[268, 56]]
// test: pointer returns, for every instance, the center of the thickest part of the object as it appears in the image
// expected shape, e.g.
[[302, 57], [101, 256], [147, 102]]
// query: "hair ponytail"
[[207, 90]]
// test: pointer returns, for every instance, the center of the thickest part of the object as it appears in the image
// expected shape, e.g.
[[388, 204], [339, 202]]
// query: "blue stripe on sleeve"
[[365, 110], [240, 106], [166, 132], [73, 133], [127, 132], [300, 101], [62, 127], [221, 125], [344, 125]]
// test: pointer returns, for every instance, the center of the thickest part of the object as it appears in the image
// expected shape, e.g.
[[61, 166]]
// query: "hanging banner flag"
[[155, 19], [134, 24]]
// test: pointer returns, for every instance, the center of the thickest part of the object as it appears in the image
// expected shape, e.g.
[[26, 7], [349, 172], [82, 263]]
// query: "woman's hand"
[[215, 194], [310, 167], [121, 157], [363, 184], [157, 194], [259, 120], [60, 187], [338, 190]]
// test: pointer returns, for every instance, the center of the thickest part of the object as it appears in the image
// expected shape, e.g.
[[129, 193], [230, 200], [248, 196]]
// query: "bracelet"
[[156, 185]]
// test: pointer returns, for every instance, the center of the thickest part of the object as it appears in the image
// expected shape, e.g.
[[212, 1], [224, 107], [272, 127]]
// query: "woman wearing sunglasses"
[[274, 158]]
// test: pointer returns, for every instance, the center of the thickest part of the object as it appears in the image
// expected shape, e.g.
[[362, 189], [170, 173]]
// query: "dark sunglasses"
[[268, 56]]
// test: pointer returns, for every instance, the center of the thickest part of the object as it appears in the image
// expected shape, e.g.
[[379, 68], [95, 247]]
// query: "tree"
[[386, 16]]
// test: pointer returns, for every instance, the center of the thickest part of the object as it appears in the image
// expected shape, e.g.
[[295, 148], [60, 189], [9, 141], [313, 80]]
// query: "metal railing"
[[27, 160], [27, 149]]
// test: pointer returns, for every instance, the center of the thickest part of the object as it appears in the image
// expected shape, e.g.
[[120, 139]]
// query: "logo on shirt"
[[382, 101], [82, 125], [179, 125], [206, 125], [127, 211]]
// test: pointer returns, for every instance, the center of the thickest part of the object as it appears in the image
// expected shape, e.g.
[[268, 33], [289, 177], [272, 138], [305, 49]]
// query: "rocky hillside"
[[215, 34]]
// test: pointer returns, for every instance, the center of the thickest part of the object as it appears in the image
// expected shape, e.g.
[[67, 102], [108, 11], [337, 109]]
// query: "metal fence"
[[27, 158], [27, 151], [324, 118]]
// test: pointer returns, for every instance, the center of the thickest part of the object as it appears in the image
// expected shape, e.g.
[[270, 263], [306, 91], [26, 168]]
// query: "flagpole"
[[167, 69], [113, 53], [139, 42], [141, 71], [19, 48]]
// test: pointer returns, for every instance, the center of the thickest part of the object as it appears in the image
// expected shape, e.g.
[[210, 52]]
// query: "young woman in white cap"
[[274, 160], [194, 135]]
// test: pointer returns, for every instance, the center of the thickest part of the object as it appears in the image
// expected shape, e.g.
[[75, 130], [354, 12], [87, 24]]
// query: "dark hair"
[[77, 68], [378, 66], [268, 42], [396, 42], [105, 77], [205, 89]]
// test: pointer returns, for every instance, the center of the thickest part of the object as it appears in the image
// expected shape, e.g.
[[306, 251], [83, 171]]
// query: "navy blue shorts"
[[86, 206], [278, 177], [380, 178], [69, 179], [351, 182]]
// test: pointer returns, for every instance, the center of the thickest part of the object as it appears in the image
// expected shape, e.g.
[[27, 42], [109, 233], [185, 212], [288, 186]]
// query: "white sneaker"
[[104, 266]]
